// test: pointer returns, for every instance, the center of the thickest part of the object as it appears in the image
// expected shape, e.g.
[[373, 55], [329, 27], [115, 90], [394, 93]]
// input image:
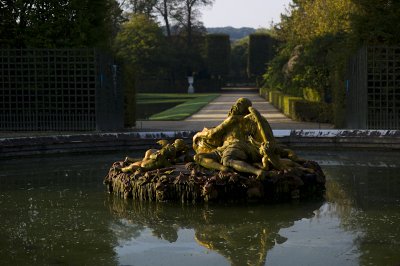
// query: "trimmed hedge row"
[[313, 112], [218, 54], [264, 93], [298, 108]]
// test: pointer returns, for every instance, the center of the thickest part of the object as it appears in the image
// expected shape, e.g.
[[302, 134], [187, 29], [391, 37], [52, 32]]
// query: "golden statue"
[[243, 142], [168, 155]]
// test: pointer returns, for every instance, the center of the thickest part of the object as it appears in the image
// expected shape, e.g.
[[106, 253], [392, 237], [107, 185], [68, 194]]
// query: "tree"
[[50, 24], [374, 22], [317, 38], [145, 7], [140, 42], [187, 13], [309, 19], [166, 9]]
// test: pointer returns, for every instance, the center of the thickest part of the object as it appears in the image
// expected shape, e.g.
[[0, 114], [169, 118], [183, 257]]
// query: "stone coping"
[[318, 133], [114, 141]]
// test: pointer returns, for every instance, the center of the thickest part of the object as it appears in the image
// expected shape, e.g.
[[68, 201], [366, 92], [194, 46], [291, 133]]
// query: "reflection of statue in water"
[[168, 155], [243, 234], [243, 142]]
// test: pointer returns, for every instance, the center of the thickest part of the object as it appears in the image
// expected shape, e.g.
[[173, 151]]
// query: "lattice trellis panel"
[[53, 89], [373, 88], [383, 87]]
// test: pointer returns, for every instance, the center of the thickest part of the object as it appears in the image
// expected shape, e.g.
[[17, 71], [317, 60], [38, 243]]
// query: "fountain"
[[239, 160]]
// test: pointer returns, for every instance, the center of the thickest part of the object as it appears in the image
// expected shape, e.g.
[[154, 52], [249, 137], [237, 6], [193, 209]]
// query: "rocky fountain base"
[[193, 183]]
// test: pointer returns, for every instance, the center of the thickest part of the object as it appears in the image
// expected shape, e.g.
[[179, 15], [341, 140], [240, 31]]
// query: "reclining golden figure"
[[244, 142]]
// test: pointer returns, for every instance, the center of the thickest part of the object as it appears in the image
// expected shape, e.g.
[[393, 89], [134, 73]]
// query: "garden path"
[[216, 111]]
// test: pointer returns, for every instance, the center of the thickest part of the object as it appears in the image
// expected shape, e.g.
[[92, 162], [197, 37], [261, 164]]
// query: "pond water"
[[56, 211]]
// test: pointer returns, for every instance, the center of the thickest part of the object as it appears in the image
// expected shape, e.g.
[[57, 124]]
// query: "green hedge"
[[264, 93], [260, 52], [312, 111], [275, 99], [289, 103], [298, 108], [218, 49], [283, 102]]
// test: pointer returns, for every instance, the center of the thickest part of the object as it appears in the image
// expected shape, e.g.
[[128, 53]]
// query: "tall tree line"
[[68, 23], [176, 53], [111, 24], [177, 15]]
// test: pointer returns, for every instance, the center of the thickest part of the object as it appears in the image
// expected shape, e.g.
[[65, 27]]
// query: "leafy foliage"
[[187, 13], [376, 21], [53, 24], [140, 42], [310, 19], [325, 34]]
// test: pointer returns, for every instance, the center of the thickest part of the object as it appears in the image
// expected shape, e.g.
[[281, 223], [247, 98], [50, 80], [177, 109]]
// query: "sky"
[[243, 13]]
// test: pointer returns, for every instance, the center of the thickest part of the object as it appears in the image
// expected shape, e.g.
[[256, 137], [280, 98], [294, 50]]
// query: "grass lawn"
[[184, 105]]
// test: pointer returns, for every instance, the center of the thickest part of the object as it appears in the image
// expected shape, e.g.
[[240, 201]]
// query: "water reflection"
[[367, 200], [242, 234], [52, 212], [356, 225], [56, 211], [54, 225]]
